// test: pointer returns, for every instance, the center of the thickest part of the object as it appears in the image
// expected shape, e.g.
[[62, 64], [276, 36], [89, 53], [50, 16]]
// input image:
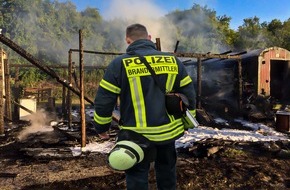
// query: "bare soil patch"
[[210, 164]]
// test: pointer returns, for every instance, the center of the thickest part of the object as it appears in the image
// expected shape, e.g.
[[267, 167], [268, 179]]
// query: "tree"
[[251, 35], [286, 34], [228, 34], [274, 32], [199, 30]]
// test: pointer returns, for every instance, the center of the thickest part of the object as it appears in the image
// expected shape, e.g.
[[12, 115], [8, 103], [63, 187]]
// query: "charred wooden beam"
[[57, 66], [205, 55], [16, 95], [69, 102], [198, 98], [48, 152], [7, 90], [97, 52], [64, 99], [240, 81], [176, 47], [158, 44], [1, 95], [19, 105], [38, 64], [224, 53], [8, 175], [180, 54], [82, 102]]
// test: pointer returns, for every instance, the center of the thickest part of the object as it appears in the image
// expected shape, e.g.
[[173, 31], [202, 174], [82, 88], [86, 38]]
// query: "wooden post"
[[38, 64], [7, 90], [1, 95], [199, 70], [240, 75], [68, 99], [16, 94], [82, 102], [64, 100], [158, 44], [51, 104]]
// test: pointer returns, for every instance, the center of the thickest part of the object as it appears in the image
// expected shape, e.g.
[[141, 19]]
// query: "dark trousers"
[[165, 170]]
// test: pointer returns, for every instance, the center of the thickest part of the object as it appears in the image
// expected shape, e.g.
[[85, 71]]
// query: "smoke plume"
[[146, 13], [39, 124]]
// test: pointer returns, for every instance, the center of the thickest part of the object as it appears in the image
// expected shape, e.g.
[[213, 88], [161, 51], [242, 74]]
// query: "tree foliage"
[[199, 28], [48, 29]]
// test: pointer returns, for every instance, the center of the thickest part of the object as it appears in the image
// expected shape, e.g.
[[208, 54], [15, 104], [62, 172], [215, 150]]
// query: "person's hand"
[[104, 136]]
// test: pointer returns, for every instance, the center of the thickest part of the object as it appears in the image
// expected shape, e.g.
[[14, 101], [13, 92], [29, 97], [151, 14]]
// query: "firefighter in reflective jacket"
[[142, 104]]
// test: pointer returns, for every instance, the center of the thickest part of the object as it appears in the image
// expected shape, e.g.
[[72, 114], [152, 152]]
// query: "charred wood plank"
[[48, 152], [39, 65], [8, 175]]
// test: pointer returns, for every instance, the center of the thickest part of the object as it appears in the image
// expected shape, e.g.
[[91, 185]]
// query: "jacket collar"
[[141, 44]]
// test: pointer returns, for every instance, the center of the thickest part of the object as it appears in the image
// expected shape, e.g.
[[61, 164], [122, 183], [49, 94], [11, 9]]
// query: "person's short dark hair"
[[136, 32]]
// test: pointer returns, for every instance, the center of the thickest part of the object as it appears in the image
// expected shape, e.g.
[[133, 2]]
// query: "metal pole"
[[82, 102]]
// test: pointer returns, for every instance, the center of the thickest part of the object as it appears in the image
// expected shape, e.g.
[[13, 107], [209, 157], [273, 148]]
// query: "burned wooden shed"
[[265, 75]]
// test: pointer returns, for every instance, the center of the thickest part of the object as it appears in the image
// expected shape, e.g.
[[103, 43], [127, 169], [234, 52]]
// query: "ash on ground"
[[46, 154]]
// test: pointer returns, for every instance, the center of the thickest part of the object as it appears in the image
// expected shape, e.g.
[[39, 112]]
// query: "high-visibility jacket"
[[142, 103]]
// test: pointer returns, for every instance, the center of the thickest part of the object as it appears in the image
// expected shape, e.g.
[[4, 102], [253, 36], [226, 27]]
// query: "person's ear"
[[149, 37], [128, 40]]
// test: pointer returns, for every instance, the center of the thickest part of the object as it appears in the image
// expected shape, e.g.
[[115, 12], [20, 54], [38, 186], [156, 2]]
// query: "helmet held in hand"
[[124, 155]]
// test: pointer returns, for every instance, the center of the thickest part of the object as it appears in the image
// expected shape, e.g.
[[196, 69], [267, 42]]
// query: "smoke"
[[128, 9], [39, 124], [55, 35], [146, 13]]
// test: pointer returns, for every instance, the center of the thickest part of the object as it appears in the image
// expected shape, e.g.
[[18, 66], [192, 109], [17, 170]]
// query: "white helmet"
[[124, 155]]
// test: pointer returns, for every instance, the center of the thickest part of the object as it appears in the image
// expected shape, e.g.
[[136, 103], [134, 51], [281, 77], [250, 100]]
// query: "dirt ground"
[[209, 164]]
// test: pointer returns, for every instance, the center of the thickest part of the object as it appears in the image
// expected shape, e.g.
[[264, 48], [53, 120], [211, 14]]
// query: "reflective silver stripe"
[[138, 101], [110, 87], [102, 120], [185, 81]]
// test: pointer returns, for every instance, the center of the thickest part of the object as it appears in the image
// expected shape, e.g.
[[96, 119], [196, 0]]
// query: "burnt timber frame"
[[68, 85]]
